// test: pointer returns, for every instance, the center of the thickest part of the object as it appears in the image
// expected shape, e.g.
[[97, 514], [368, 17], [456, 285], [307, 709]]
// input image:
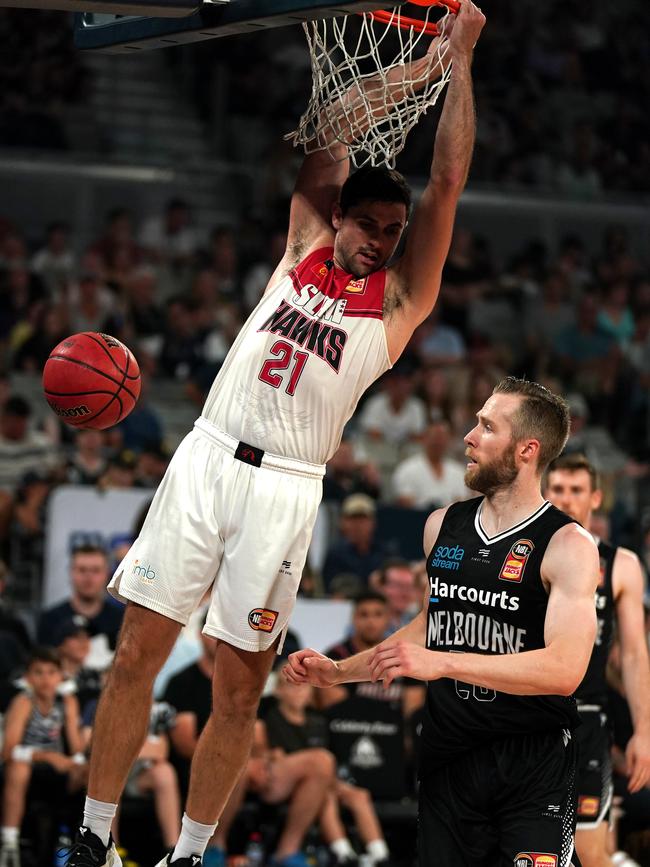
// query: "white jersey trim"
[[491, 540]]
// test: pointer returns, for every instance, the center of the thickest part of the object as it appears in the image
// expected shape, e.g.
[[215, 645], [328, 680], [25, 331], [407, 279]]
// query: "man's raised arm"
[[417, 274]]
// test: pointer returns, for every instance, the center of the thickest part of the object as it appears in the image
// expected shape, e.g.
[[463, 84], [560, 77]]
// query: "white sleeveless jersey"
[[299, 365]]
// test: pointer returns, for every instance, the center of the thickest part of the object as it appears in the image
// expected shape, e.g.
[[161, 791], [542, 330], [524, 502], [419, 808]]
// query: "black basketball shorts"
[[510, 803], [594, 778]]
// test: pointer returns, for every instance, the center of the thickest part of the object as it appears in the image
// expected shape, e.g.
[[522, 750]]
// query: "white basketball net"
[[362, 98]]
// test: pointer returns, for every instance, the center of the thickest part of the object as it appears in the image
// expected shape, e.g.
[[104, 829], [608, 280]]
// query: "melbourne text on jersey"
[[314, 335], [468, 630]]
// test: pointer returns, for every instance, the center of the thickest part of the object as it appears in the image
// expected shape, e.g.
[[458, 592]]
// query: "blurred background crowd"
[[561, 96]]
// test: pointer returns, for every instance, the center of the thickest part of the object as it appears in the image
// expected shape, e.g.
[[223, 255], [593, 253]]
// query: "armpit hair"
[[395, 300], [296, 250]]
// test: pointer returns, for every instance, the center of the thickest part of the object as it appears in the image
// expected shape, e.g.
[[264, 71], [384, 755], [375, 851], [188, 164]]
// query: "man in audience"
[[346, 475], [89, 577], [394, 415], [370, 625], [357, 551], [430, 478], [396, 580], [22, 450], [73, 647]]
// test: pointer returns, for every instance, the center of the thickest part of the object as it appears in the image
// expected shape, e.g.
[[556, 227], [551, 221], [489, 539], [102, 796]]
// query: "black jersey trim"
[[490, 540]]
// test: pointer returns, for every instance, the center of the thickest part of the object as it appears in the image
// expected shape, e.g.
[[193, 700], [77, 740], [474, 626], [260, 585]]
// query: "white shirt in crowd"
[[396, 428], [415, 480], [154, 235]]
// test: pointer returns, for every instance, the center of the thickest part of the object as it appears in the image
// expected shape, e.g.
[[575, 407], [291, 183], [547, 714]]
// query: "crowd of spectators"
[[40, 74], [561, 89], [560, 86]]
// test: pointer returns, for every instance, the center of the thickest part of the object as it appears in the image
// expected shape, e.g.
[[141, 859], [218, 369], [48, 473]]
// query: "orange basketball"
[[91, 380]]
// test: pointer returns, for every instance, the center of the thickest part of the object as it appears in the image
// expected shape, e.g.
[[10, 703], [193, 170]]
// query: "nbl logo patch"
[[262, 619], [535, 859], [515, 563]]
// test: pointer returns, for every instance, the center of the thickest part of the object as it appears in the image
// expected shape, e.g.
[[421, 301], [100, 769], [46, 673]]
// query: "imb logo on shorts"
[[144, 572], [588, 806], [262, 619], [515, 563], [535, 859]]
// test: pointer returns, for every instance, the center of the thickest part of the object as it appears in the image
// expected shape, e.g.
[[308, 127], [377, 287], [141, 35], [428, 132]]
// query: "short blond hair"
[[542, 415]]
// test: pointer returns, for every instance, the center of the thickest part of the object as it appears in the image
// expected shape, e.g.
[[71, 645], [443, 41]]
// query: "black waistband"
[[249, 454]]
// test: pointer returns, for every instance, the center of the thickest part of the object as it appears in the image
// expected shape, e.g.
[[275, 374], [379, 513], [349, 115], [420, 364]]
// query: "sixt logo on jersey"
[[315, 303], [515, 563], [445, 557], [262, 619], [323, 340]]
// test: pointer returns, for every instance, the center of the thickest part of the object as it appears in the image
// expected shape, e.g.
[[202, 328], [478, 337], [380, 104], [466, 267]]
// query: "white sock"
[[343, 850], [98, 817], [9, 836], [377, 849], [193, 840]]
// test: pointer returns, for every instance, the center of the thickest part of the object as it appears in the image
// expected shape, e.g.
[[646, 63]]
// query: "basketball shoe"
[[89, 851]]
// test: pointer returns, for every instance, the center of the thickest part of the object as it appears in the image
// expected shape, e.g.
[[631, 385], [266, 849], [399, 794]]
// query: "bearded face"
[[488, 477]]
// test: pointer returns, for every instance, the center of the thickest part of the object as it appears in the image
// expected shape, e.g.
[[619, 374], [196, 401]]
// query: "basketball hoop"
[[374, 75]]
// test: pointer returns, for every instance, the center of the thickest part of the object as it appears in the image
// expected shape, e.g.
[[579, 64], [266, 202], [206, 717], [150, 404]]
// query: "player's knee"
[[240, 704], [133, 663]]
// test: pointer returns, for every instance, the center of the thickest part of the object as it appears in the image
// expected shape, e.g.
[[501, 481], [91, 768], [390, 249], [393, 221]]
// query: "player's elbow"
[[567, 683], [448, 184]]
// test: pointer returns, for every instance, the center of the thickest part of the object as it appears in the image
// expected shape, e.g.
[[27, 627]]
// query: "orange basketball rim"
[[394, 16]]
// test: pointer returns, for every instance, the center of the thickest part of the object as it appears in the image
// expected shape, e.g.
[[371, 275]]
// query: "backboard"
[[123, 34]]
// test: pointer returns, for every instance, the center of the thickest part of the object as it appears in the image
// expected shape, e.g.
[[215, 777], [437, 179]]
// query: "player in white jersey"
[[236, 507]]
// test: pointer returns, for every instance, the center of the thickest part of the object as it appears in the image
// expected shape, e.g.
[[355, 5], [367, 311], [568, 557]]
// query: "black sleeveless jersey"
[[487, 597], [593, 689]]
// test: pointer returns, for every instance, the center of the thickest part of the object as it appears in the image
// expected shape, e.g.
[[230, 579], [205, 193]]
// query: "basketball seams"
[[127, 353], [104, 408], [96, 370]]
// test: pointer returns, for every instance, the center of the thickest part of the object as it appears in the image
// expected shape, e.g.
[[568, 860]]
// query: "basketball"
[[91, 380]]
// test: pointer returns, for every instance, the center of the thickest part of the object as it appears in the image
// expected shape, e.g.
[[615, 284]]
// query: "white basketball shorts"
[[241, 526]]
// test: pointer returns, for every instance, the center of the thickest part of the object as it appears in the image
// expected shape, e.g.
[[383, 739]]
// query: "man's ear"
[[337, 216]]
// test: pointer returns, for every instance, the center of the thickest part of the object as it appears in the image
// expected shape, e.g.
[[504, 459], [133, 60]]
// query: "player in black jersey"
[[503, 639], [572, 485]]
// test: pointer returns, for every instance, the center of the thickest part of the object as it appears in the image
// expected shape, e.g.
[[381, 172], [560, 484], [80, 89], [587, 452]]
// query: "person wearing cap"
[[358, 551], [120, 472], [73, 646]]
